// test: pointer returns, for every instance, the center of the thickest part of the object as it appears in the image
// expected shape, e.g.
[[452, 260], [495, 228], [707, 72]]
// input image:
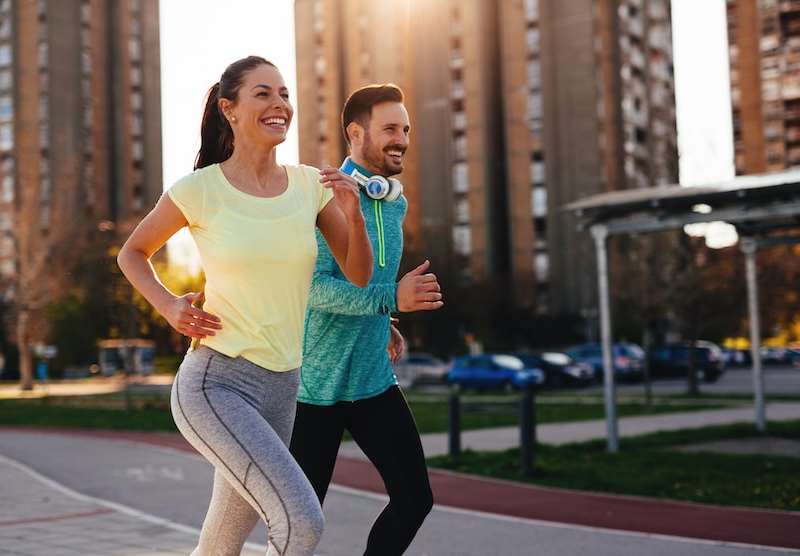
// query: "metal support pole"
[[749, 247], [527, 431], [600, 235], [454, 425]]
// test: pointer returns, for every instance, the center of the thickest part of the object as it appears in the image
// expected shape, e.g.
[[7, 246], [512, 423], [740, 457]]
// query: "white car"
[[416, 368]]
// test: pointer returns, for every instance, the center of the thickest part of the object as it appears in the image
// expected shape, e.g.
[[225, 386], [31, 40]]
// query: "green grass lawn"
[[150, 411], [646, 466]]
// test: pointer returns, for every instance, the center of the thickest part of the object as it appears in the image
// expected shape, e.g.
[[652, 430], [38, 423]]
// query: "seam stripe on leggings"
[[221, 460], [252, 462]]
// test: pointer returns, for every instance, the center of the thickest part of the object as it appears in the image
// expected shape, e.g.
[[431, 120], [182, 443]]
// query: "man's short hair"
[[358, 107]]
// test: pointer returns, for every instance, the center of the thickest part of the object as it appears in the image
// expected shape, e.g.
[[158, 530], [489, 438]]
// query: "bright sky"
[[200, 38]]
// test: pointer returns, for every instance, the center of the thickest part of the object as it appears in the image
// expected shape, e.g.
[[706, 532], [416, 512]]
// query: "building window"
[[462, 240], [531, 9], [86, 12], [44, 50], [7, 189], [541, 267], [5, 80], [537, 172], [5, 55], [6, 109], [136, 124], [136, 100], [44, 136], [534, 107], [460, 145], [136, 76], [462, 210], [6, 137], [138, 150], [460, 177], [534, 74], [44, 217], [539, 202], [134, 50], [46, 188], [532, 39], [7, 267]]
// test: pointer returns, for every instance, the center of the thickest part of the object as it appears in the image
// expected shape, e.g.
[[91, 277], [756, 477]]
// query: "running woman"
[[254, 224], [347, 382]]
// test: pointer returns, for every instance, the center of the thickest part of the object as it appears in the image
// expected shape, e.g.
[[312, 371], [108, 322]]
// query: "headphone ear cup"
[[377, 188], [395, 190]]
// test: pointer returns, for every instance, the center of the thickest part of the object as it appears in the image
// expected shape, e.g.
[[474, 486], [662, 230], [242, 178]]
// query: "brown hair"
[[216, 135], [358, 107]]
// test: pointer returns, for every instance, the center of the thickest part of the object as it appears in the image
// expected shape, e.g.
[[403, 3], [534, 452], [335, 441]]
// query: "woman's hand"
[[345, 192], [187, 319], [397, 345]]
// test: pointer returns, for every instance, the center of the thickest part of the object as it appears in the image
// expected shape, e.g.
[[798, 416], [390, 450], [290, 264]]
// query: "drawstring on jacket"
[[381, 239]]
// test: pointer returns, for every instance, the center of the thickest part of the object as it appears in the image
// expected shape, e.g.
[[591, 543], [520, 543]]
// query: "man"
[[347, 382]]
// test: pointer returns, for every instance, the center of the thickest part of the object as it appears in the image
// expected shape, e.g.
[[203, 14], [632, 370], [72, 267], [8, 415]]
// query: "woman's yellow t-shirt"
[[258, 255]]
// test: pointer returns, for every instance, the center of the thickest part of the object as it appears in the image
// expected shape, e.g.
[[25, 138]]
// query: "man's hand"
[[418, 291], [397, 345]]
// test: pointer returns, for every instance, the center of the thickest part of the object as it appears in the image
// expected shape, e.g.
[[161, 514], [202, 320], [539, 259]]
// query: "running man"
[[347, 381]]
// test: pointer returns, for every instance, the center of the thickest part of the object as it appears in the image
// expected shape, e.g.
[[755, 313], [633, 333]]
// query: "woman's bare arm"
[[134, 261], [342, 224]]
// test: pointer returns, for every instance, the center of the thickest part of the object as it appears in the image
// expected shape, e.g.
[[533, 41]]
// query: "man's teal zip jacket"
[[346, 327]]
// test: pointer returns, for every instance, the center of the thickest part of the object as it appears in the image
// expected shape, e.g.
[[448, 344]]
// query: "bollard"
[[527, 431], [454, 425]]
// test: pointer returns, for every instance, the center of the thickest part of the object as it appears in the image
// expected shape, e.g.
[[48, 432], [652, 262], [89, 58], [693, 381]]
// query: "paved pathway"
[[39, 516]]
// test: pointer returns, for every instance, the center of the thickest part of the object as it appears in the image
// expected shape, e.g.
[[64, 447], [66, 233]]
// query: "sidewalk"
[[498, 439], [39, 516]]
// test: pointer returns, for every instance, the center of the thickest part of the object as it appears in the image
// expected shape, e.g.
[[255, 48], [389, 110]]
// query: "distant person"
[[254, 224], [347, 381]]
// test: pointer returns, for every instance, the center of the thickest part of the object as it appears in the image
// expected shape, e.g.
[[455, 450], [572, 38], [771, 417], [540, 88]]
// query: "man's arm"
[[334, 295], [416, 290]]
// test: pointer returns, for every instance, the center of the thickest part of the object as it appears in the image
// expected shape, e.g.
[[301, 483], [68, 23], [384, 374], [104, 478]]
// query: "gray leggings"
[[240, 417]]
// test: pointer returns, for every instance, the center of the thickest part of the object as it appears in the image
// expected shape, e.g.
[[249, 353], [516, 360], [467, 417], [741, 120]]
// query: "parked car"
[[491, 371], [673, 360], [417, 368], [559, 368], [778, 356], [737, 357], [628, 360]]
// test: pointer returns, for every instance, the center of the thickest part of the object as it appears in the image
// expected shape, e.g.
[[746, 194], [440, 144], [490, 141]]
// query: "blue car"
[[493, 371], [628, 360]]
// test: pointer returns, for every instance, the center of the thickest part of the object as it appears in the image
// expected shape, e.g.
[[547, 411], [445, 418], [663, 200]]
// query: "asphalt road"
[[176, 486]]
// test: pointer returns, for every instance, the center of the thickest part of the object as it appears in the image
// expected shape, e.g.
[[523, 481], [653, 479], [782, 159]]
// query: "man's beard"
[[376, 158]]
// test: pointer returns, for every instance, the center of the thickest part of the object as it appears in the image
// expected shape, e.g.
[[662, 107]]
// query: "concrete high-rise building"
[[518, 108], [80, 133], [764, 46], [589, 107]]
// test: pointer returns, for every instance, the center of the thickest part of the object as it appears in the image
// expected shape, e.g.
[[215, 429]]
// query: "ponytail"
[[216, 135]]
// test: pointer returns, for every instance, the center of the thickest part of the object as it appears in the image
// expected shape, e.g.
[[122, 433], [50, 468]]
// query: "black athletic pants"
[[384, 429]]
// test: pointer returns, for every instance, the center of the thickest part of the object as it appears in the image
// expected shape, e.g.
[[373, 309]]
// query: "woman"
[[253, 221]]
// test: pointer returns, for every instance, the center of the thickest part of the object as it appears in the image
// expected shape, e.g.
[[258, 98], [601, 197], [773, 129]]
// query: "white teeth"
[[278, 121]]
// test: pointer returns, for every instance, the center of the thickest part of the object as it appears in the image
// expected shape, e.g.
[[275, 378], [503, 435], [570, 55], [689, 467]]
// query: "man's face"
[[385, 139]]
